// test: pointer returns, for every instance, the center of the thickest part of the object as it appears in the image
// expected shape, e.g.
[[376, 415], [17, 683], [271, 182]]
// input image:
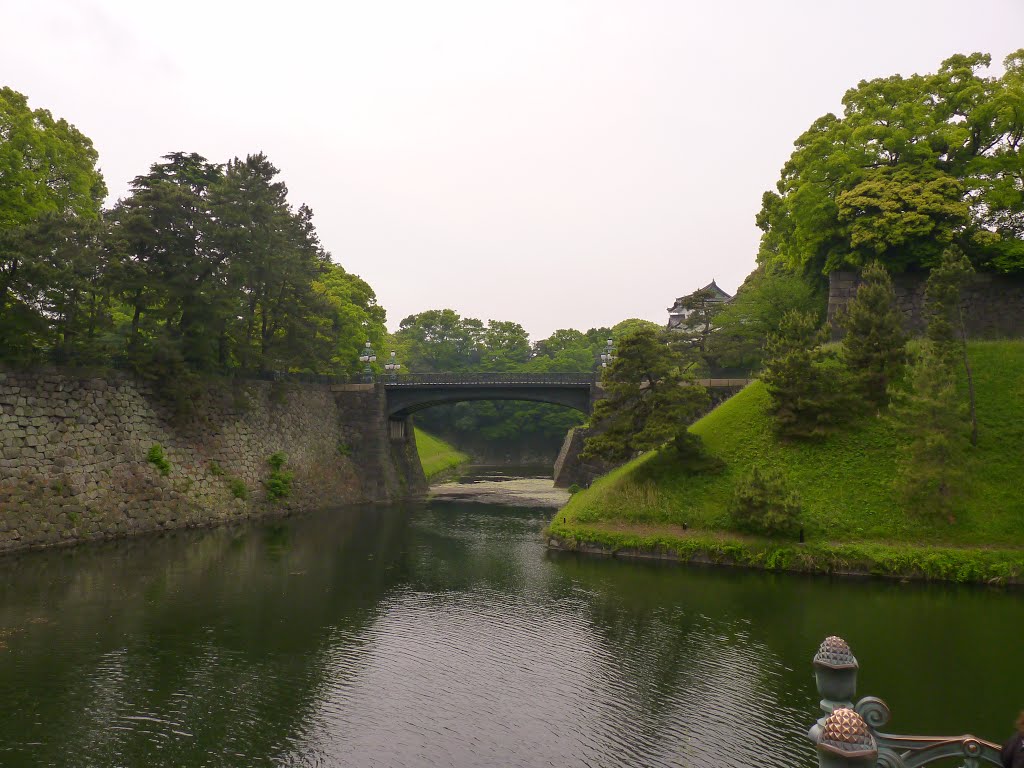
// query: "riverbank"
[[852, 516], [439, 459]]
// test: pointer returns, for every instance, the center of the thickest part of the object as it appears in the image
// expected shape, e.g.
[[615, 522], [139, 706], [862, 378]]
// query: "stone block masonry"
[[993, 304], [74, 448]]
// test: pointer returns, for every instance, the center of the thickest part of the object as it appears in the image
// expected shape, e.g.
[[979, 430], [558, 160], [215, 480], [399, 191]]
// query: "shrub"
[[574, 488], [344, 449], [279, 484], [215, 469], [762, 504], [157, 458], [692, 456], [238, 488]]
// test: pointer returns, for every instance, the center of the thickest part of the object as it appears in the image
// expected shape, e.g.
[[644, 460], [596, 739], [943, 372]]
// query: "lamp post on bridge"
[[608, 353], [368, 356], [392, 367]]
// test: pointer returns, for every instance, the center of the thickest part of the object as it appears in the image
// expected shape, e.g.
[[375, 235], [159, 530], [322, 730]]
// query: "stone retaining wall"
[[993, 304], [74, 467]]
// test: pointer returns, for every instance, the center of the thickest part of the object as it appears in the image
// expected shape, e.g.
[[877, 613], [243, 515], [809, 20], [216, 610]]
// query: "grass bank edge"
[[904, 561], [437, 456]]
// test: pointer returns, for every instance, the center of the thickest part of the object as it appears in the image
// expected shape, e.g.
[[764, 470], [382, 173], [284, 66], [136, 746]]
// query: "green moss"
[[436, 455], [845, 482]]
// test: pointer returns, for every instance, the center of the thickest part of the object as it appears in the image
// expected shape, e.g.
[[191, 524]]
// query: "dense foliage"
[[202, 267], [651, 395], [744, 324], [914, 165]]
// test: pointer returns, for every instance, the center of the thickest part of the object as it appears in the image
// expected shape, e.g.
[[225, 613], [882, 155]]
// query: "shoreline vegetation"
[[439, 459], [853, 522]]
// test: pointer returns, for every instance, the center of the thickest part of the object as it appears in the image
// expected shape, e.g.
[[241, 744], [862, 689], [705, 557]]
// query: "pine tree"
[[806, 397], [650, 397], [932, 414], [946, 328], [874, 343]]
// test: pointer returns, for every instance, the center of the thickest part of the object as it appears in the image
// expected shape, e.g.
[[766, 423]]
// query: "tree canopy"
[[201, 267], [914, 165]]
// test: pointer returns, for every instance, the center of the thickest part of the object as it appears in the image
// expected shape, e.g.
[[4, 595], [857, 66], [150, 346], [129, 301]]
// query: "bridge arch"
[[415, 392]]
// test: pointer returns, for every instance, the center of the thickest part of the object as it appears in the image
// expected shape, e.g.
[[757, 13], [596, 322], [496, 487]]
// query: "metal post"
[[367, 357]]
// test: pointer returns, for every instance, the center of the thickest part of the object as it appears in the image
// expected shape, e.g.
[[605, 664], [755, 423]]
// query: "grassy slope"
[[845, 482], [436, 455]]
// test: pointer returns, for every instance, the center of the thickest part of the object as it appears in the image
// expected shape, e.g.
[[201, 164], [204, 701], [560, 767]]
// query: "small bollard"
[[845, 741]]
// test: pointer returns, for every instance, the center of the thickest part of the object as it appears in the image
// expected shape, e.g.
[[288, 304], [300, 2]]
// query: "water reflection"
[[443, 634]]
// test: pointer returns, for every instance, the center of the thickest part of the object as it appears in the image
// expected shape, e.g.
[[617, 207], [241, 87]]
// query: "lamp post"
[[607, 354], [392, 366], [368, 356]]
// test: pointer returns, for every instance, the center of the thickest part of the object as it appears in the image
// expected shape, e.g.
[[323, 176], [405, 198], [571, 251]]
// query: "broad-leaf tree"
[[913, 165]]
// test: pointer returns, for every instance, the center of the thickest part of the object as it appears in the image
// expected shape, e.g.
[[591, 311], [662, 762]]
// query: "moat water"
[[443, 633]]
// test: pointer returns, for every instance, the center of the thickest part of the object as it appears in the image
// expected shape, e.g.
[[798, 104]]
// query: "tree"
[[440, 340], [874, 343], [49, 185], [649, 398], [700, 308], [46, 166], [946, 328], [932, 416], [806, 393], [762, 503], [167, 269], [352, 317], [506, 346], [756, 311], [914, 165]]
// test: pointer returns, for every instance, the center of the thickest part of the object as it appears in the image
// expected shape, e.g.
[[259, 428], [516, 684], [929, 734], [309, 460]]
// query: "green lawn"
[[845, 482], [436, 455]]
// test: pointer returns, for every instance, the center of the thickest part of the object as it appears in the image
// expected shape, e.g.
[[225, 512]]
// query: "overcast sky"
[[561, 163]]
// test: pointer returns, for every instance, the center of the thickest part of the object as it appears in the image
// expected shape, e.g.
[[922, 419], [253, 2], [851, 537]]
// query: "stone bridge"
[[416, 391]]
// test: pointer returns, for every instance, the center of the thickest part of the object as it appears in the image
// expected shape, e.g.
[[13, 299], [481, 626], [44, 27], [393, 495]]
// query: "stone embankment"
[[79, 454], [993, 305]]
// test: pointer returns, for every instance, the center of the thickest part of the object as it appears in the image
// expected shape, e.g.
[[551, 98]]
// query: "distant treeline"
[[202, 267]]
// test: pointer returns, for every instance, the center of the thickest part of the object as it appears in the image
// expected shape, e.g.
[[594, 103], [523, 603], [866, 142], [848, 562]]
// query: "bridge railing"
[[420, 379], [848, 734]]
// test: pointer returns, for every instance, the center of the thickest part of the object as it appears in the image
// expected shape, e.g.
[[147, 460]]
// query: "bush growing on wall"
[[156, 457], [279, 484]]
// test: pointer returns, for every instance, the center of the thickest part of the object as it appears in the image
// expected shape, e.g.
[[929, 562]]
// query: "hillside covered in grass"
[[845, 482], [437, 456]]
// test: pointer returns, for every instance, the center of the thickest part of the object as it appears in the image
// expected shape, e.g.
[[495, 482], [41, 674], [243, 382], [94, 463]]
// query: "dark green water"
[[443, 634]]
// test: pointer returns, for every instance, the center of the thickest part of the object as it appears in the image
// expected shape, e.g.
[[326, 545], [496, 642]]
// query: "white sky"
[[561, 163]]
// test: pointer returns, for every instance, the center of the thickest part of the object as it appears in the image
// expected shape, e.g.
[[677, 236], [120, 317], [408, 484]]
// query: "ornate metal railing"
[[848, 735], [420, 379]]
